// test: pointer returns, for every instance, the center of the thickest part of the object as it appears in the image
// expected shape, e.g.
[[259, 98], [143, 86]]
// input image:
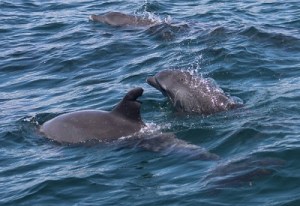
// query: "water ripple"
[[53, 60]]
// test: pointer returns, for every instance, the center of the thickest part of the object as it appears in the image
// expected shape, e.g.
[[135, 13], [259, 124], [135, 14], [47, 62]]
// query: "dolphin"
[[123, 125], [82, 126], [242, 172], [191, 93], [168, 143], [121, 19]]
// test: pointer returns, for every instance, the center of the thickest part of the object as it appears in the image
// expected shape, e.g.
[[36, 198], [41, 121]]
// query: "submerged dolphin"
[[121, 19], [168, 143], [242, 172], [81, 126], [192, 94]]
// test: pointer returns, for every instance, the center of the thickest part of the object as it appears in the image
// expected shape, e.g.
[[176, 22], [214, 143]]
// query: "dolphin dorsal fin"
[[129, 107]]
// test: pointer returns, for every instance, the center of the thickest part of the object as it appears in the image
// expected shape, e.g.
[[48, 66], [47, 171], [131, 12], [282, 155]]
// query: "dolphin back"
[[121, 19]]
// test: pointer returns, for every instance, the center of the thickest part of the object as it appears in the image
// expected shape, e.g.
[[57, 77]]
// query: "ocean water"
[[54, 60]]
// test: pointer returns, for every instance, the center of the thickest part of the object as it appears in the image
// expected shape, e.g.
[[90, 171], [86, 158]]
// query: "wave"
[[36, 190], [271, 38], [166, 31]]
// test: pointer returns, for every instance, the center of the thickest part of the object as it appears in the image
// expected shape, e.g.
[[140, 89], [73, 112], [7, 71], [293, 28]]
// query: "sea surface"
[[54, 60]]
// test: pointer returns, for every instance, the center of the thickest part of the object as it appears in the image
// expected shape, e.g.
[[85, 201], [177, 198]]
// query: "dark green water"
[[54, 60]]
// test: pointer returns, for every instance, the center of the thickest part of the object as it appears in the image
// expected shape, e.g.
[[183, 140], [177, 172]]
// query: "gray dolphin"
[[121, 19], [191, 93], [81, 126], [168, 143], [242, 172], [124, 120]]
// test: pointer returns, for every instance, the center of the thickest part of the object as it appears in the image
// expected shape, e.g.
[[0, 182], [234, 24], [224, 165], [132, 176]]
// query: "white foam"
[[91, 18], [31, 120]]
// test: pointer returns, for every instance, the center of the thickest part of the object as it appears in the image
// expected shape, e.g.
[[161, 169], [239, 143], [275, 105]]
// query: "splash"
[[152, 128], [194, 67], [31, 120], [152, 17], [148, 130]]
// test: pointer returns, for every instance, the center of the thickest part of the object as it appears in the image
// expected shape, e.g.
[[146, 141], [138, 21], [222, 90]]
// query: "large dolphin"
[[122, 126], [121, 19], [191, 93], [81, 126]]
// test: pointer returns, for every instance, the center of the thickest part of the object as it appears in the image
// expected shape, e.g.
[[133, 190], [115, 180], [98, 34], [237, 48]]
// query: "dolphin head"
[[191, 93], [170, 82], [166, 77]]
